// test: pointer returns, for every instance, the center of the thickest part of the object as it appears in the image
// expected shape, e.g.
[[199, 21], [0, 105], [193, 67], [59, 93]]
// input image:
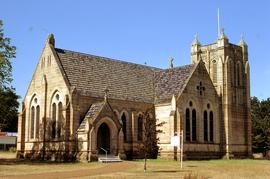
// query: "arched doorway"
[[103, 138]]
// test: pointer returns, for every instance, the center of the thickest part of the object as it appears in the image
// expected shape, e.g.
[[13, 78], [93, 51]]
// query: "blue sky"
[[137, 31]]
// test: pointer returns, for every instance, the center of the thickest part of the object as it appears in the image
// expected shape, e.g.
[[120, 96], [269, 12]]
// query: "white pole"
[[218, 22], [106, 157], [182, 142]]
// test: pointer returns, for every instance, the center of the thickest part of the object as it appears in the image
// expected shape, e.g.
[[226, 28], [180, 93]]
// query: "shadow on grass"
[[31, 162], [170, 171], [192, 166]]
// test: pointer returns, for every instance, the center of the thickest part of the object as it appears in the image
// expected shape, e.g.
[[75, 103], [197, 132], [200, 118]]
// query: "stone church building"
[[78, 105]]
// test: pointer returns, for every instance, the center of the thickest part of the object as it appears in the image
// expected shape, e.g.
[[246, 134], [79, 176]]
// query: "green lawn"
[[155, 168], [201, 169]]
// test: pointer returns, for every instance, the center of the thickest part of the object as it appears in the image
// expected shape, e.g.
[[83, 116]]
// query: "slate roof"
[[93, 74], [92, 114], [171, 82]]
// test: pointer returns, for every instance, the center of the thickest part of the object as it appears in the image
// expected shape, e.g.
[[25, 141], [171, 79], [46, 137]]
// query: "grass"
[[7, 154], [9, 166], [200, 169], [246, 168]]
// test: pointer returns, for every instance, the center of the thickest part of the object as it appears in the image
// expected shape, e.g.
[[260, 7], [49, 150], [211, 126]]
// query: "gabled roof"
[[171, 82], [91, 114], [92, 74]]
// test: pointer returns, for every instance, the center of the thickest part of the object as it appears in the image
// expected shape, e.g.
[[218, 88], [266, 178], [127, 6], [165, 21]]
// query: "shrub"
[[12, 149]]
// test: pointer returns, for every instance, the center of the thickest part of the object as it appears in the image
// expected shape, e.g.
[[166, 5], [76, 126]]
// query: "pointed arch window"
[[140, 128], [59, 120], [124, 122], [32, 119], [191, 123], [54, 121], [194, 127], [208, 124], [37, 122], [211, 126], [187, 125], [205, 122]]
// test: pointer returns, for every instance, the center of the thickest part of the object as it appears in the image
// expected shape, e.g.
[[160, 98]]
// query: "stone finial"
[[242, 41], [106, 93], [171, 62], [196, 40], [222, 34], [51, 39]]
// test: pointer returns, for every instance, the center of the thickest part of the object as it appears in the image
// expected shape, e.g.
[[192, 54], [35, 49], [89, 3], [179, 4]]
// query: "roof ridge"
[[176, 68], [110, 59], [183, 66]]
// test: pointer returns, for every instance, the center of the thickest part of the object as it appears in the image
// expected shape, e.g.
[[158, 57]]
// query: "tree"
[[8, 98], [260, 112], [8, 110], [7, 52], [150, 141]]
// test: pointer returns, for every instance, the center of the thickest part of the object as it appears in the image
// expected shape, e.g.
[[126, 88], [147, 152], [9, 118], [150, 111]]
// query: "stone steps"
[[109, 159]]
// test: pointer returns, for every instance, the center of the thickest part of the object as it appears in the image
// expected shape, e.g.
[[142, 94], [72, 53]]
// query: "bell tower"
[[228, 68]]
